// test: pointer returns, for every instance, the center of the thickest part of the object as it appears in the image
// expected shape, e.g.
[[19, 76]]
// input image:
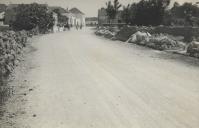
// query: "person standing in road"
[[77, 26], [81, 26]]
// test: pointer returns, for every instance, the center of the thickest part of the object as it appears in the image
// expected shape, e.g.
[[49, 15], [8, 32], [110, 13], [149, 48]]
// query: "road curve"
[[85, 81]]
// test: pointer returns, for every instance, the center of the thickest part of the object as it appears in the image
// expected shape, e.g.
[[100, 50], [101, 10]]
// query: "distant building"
[[103, 18], [2, 7], [10, 13], [2, 16], [2, 13], [75, 17], [91, 21]]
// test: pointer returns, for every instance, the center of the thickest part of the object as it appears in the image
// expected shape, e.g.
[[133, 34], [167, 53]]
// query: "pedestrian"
[[67, 26], [77, 26], [81, 26]]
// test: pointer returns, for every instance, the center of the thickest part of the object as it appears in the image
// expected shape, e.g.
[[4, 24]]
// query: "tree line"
[[29, 16], [154, 12]]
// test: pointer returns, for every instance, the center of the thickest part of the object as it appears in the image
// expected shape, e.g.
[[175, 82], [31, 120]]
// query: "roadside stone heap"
[[106, 33], [11, 45], [156, 41], [193, 49]]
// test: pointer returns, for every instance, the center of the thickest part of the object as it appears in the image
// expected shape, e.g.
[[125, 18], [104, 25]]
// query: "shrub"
[[11, 44]]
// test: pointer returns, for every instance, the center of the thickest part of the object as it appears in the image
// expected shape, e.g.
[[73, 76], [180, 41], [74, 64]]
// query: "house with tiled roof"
[[10, 13], [75, 17], [91, 21], [61, 10]]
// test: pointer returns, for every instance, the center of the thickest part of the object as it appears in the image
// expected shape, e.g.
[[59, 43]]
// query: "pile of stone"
[[105, 32], [158, 41], [11, 45], [193, 49], [141, 38]]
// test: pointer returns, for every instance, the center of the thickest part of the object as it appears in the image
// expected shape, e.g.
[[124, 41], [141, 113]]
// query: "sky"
[[89, 7]]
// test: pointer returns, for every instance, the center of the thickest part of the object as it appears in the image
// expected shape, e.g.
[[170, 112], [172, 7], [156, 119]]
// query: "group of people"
[[77, 26]]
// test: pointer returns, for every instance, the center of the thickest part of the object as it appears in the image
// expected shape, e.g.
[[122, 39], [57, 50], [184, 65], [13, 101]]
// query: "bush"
[[30, 16], [11, 44]]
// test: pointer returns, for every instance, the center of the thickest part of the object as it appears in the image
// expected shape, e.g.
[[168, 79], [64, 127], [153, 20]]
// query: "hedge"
[[11, 45]]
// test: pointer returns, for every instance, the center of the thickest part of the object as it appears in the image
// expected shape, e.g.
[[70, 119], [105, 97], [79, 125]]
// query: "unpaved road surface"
[[78, 80]]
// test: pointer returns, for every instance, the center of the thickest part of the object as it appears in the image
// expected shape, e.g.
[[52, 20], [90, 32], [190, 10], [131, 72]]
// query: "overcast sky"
[[89, 7]]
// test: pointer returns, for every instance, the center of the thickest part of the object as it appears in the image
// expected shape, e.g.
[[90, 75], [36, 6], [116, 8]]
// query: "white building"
[[91, 21], [75, 17], [2, 16], [55, 27]]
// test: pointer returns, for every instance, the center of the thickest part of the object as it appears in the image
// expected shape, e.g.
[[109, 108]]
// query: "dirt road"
[[79, 80]]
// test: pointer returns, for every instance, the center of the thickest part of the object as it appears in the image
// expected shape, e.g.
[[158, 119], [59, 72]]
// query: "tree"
[[117, 6], [29, 16], [126, 14], [187, 13], [112, 9], [176, 4], [150, 12]]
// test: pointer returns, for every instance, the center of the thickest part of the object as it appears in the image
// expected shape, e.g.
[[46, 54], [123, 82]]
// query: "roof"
[[76, 11], [61, 10]]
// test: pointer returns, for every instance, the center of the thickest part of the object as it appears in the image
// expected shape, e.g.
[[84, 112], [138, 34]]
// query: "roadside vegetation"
[[29, 20], [30, 16], [158, 12]]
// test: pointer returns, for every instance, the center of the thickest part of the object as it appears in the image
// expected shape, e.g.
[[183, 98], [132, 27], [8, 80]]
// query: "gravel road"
[[78, 80]]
